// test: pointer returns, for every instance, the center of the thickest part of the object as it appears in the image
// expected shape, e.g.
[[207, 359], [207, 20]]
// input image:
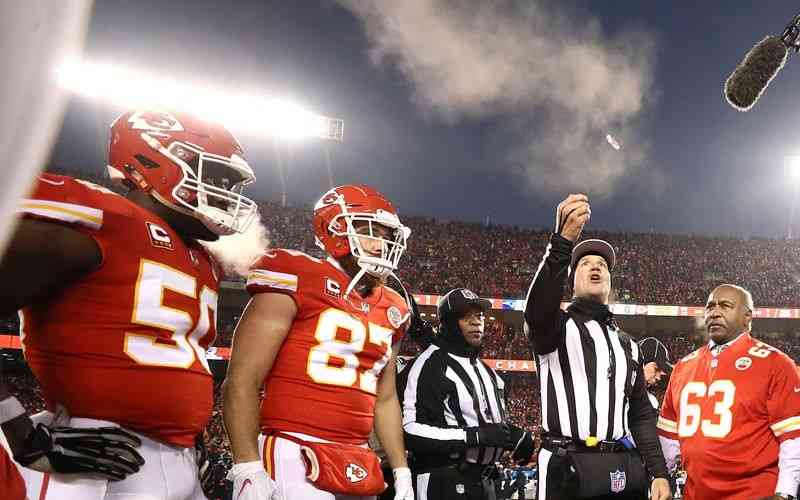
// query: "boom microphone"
[[750, 79]]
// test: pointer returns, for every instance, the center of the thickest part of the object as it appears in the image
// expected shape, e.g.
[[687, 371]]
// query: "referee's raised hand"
[[571, 215]]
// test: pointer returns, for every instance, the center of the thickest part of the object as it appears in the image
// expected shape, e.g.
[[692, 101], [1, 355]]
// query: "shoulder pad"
[[279, 271]]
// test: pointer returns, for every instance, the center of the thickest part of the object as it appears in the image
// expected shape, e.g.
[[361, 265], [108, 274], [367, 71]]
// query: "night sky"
[[468, 110]]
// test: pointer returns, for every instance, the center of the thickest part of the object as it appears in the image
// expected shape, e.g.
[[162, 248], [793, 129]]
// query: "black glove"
[[419, 330], [107, 451], [204, 470], [523, 444], [494, 435]]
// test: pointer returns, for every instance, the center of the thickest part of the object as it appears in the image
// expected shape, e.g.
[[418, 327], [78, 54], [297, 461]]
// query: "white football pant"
[[169, 473], [284, 463]]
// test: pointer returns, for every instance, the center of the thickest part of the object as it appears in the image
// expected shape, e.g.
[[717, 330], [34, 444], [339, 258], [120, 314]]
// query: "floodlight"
[[131, 88]]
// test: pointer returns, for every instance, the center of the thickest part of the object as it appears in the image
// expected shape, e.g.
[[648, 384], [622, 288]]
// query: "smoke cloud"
[[555, 80], [237, 252]]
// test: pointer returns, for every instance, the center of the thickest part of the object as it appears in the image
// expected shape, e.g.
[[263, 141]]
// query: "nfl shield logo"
[[617, 481]]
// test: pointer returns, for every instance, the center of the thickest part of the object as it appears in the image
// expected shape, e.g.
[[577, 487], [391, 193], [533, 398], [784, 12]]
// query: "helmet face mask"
[[346, 218], [154, 152], [360, 228], [212, 187]]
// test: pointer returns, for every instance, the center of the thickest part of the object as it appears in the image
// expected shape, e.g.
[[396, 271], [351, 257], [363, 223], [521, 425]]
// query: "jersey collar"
[[371, 298], [712, 346]]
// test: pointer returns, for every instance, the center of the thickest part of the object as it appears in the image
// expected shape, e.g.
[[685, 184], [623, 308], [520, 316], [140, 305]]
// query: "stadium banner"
[[511, 365], [10, 342], [224, 353], [506, 365], [628, 309]]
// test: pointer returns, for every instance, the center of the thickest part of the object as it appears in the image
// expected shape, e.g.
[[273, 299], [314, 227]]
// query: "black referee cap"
[[458, 301], [593, 247], [653, 350]]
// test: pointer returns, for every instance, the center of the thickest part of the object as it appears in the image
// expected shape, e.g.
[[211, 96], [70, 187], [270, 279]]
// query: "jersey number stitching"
[[328, 347], [690, 413], [149, 310]]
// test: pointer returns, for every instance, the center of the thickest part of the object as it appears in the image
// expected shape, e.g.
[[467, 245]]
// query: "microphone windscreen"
[[749, 80]]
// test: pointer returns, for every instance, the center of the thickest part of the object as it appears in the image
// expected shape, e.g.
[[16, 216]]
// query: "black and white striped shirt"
[[585, 384], [591, 380], [443, 392]]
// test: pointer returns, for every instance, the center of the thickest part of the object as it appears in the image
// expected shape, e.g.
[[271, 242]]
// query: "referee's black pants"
[[558, 482], [453, 482]]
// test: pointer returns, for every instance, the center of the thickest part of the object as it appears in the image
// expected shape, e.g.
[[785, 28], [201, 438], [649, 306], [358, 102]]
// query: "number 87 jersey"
[[324, 379], [730, 413]]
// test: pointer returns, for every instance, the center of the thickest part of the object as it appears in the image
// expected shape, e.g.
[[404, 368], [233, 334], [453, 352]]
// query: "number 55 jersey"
[[730, 413], [325, 376], [126, 343]]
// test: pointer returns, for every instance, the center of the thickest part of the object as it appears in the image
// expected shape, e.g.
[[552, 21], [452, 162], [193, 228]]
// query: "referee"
[[592, 385], [454, 413], [655, 365]]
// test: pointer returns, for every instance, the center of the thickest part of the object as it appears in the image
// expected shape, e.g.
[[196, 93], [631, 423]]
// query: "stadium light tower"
[[791, 167], [132, 88]]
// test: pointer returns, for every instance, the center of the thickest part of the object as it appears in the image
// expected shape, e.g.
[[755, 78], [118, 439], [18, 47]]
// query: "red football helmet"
[[190, 165], [334, 230]]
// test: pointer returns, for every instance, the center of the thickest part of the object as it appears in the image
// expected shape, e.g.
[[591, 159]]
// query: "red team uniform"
[[11, 483], [730, 414], [324, 379], [127, 342], [321, 390]]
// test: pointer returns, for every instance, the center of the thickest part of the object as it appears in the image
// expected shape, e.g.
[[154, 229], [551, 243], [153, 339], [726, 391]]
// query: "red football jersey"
[[324, 379], [11, 484], [127, 342], [730, 414]]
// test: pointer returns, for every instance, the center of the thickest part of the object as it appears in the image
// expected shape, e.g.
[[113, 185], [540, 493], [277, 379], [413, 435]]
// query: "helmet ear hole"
[[146, 162]]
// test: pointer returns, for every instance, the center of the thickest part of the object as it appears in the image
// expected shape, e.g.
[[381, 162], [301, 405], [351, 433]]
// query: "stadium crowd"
[[499, 261]]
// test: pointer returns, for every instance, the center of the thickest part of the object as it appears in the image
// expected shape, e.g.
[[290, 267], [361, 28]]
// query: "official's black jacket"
[[445, 390], [592, 384]]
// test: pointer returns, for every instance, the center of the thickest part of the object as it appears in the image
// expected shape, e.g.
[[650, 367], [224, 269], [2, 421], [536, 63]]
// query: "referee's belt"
[[483, 470], [552, 443]]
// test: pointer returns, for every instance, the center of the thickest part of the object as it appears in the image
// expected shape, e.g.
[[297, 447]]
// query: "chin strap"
[[360, 274], [354, 281], [407, 297]]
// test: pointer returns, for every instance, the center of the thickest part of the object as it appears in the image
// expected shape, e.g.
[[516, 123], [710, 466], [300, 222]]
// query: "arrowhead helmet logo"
[[156, 121], [332, 197], [355, 473]]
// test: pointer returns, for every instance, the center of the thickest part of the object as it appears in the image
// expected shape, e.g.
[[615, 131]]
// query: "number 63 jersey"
[[730, 413], [127, 342], [324, 379]]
